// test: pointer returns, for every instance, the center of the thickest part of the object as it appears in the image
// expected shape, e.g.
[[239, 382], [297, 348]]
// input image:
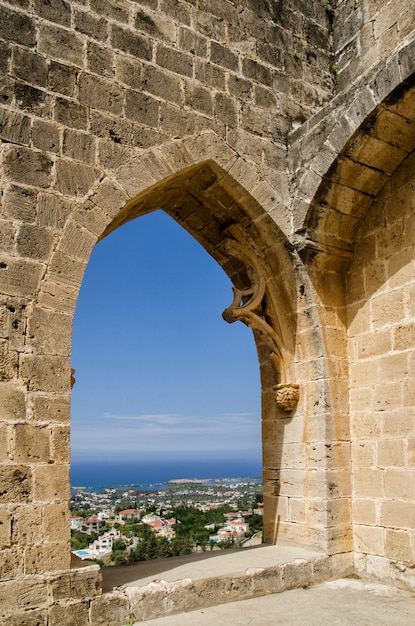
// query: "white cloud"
[[151, 418], [164, 433]]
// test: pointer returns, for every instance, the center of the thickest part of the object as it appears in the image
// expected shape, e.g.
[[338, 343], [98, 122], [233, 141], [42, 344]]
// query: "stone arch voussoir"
[[343, 160]]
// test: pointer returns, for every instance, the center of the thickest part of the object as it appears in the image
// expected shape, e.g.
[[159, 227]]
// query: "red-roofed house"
[[129, 514]]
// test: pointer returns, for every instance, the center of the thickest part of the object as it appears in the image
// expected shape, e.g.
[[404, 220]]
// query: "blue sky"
[[159, 374]]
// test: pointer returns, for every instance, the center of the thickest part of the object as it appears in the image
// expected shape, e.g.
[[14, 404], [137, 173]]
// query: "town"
[[120, 525]]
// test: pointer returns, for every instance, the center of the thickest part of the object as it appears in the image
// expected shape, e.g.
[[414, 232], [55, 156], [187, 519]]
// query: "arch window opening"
[[165, 389]]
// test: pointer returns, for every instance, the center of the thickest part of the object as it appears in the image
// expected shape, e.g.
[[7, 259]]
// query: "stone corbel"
[[287, 396], [248, 307]]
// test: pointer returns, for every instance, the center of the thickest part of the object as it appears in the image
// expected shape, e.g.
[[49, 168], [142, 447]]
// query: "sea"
[[101, 474]]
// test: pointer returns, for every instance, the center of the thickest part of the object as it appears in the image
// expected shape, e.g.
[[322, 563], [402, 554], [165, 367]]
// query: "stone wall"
[[87, 87], [381, 353], [365, 32], [267, 130]]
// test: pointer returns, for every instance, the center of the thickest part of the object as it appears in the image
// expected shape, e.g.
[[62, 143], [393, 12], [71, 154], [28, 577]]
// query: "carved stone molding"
[[249, 306], [287, 396]]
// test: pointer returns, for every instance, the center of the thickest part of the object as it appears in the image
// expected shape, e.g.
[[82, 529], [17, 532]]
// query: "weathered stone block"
[[29, 66], [16, 481], [74, 614], [52, 409], [390, 452], [17, 27], [4, 57], [191, 42], [363, 453], [364, 511], [79, 146], [60, 444], [22, 595], [34, 101], [117, 11], [369, 539], [22, 165], [49, 332], [12, 401], [398, 545], [46, 373], [8, 362], [154, 25], [253, 120], [5, 450], [111, 198], [100, 94], [80, 583], [74, 179], [400, 484], [174, 61], [93, 218], [296, 574], [210, 26], [162, 85], [26, 524], [260, 73], [129, 71], [100, 60], [61, 44], [34, 242], [65, 270], [89, 24], [7, 88], [225, 109], [14, 127], [117, 130], [111, 608], [47, 558], [71, 114], [28, 618], [179, 11], [51, 485], [131, 43], [142, 108], [77, 241], [55, 525], [13, 323], [199, 98], [223, 56], [11, 564], [45, 136], [57, 11], [62, 78], [7, 237], [52, 210], [211, 75], [397, 514], [30, 444]]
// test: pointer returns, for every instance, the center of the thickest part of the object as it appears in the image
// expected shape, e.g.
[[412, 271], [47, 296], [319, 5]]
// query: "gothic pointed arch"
[[368, 132], [229, 219]]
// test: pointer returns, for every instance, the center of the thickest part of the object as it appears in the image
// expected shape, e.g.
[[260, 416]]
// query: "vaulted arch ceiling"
[[347, 189]]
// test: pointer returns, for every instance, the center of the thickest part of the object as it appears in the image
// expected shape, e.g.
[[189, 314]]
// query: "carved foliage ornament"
[[287, 396], [248, 307]]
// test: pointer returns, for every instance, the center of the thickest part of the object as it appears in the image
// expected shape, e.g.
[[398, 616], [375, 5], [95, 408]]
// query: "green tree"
[[118, 553], [80, 540]]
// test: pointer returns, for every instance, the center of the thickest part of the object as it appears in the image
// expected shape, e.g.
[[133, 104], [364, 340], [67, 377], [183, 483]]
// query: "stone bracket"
[[287, 396]]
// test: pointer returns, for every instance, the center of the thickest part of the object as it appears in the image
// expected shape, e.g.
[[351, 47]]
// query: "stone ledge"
[[226, 577]]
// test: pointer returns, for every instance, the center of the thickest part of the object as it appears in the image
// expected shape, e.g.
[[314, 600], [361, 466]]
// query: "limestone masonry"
[[281, 135]]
